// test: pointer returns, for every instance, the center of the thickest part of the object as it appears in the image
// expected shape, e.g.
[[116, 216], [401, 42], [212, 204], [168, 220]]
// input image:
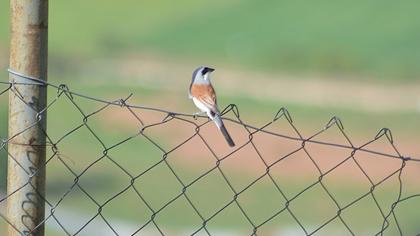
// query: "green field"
[[374, 38]]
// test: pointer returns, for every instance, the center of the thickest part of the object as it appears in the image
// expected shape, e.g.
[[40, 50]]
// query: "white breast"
[[200, 105]]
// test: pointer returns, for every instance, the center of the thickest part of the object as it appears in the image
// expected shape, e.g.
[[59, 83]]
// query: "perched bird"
[[204, 97]]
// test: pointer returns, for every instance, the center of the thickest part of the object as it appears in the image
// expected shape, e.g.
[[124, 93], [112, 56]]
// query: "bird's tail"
[[219, 123]]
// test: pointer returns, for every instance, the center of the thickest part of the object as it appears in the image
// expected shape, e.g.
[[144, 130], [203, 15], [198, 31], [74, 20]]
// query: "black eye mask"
[[206, 70]]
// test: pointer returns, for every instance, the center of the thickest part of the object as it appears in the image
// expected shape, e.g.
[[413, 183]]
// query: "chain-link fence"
[[187, 183]]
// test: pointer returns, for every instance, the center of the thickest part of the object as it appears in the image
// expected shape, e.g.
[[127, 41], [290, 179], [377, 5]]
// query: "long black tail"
[[227, 136], [221, 126]]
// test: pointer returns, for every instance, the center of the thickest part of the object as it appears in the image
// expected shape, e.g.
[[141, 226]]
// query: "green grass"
[[377, 38]]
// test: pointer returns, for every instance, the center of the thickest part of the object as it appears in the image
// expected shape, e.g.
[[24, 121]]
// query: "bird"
[[204, 97]]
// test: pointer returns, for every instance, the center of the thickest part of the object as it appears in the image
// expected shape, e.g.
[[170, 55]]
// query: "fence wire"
[[388, 214]]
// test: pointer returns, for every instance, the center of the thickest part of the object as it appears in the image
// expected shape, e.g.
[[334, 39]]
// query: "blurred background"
[[358, 60]]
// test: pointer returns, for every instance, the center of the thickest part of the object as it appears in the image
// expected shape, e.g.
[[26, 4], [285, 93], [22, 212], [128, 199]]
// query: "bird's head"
[[202, 75]]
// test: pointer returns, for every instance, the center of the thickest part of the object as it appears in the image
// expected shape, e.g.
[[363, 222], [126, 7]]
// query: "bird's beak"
[[210, 69]]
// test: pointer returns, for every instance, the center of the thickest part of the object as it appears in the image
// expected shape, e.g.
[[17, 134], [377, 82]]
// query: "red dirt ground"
[[249, 161]]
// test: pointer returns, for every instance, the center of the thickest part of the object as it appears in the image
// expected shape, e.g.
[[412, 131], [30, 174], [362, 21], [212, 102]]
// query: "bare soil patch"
[[285, 157]]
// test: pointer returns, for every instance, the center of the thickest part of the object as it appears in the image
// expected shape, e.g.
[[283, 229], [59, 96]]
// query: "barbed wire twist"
[[64, 92]]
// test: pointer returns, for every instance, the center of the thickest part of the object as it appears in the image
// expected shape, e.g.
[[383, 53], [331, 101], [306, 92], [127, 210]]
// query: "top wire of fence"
[[389, 218]]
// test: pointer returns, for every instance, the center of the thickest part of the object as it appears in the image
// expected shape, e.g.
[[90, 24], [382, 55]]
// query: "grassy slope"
[[374, 37], [297, 35]]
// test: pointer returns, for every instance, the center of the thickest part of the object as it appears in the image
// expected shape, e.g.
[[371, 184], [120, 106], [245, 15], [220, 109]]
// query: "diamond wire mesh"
[[388, 216]]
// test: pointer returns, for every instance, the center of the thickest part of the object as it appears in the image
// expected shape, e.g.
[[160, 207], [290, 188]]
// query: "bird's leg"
[[199, 113]]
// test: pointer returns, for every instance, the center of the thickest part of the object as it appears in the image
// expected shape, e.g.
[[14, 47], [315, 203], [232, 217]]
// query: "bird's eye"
[[204, 71]]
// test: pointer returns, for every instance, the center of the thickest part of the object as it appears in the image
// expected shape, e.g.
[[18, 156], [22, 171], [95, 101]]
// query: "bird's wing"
[[206, 95]]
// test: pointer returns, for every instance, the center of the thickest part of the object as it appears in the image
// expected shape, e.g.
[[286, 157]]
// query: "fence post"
[[28, 55]]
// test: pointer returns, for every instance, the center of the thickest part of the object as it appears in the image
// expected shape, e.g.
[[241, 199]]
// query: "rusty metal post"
[[28, 55]]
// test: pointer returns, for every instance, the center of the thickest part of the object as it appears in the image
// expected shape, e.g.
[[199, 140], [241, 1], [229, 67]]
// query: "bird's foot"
[[198, 114]]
